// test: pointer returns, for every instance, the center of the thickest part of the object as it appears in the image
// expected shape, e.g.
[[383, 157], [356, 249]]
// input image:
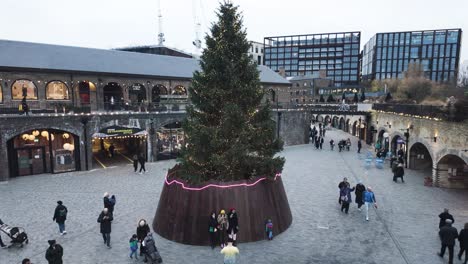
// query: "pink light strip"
[[216, 185]]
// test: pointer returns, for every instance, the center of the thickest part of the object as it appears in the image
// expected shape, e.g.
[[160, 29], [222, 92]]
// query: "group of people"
[[139, 159], [364, 196], [344, 144], [317, 136], [448, 235], [225, 227]]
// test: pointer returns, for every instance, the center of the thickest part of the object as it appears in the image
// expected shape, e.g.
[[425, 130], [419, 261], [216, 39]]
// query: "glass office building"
[[303, 55], [387, 55]]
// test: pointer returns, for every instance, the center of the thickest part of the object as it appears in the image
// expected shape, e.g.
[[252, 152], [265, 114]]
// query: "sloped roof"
[[37, 56]]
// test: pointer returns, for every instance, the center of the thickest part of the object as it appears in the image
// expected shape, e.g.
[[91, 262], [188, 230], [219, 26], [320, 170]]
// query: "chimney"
[[282, 72]]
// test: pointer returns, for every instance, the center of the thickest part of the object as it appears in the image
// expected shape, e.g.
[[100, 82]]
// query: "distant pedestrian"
[[26, 261], [345, 196], [359, 192], [444, 216], [321, 142], [135, 162], [332, 144], [142, 161], [447, 235], [54, 253], [463, 238], [109, 202], [60, 215], [399, 173], [142, 231], [269, 229], [212, 229], [341, 185], [348, 144], [369, 201], [323, 132], [359, 146], [230, 252], [133, 242], [105, 219], [317, 143], [233, 226], [111, 150], [223, 225]]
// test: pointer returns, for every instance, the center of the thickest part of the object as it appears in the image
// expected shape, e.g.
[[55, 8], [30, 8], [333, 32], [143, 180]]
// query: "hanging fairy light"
[[25, 136], [65, 135], [36, 133], [45, 134], [66, 146]]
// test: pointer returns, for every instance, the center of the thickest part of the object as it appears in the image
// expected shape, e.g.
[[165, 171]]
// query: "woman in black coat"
[[463, 238], [212, 229], [359, 192], [105, 218], [233, 225]]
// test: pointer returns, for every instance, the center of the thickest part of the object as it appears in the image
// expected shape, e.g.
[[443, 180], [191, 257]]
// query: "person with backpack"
[[60, 215], [54, 253]]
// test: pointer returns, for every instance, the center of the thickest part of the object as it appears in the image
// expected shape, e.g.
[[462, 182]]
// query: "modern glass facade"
[[387, 55], [336, 53]]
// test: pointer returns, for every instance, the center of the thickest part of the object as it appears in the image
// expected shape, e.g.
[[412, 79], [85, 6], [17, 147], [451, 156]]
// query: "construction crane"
[[196, 20], [161, 38]]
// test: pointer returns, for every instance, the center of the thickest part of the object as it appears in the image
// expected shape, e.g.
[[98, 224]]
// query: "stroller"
[[17, 234]]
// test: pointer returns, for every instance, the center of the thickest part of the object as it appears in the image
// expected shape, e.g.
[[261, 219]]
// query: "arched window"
[[1, 94], [179, 90], [157, 91], [23, 88], [57, 90]]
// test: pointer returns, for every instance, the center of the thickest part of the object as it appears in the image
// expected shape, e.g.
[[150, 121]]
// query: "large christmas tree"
[[229, 131]]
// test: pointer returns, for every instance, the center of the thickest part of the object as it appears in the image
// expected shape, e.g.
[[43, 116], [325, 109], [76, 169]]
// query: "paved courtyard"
[[403, 229]]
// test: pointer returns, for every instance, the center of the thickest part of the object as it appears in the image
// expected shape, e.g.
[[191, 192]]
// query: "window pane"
[[21, 88], [56, 90]]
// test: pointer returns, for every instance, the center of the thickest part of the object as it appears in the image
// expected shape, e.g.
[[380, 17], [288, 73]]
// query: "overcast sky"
[[118, 23]]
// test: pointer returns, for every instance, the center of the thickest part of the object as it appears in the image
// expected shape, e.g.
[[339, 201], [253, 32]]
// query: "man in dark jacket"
[[359, 146], [444, 216], [54, 253], [342, 184], [142, 230], [463, 238], [399, 172], [109, 202], [447, 235], [105, 218], [60, 215]]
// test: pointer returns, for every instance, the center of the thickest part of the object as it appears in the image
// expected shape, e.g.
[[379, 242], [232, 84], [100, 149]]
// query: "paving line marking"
[[100, 163], [131, 161], [392, 236]]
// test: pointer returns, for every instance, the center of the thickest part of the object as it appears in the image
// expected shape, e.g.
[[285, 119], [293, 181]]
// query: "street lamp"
[[407, 146]]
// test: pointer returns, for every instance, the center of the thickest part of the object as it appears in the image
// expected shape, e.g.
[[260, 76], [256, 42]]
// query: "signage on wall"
[[400, 141], [120, 131]]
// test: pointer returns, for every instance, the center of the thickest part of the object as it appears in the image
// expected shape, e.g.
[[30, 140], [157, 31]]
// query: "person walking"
[[142, 231], [359, 193], [212, 229], [142, 161], [321, 142], [105, 219], [463, 238], [369, 200], [60, 215], [447, 235], [359, 146], [223, 225], [133, 246], [230, 252], [135, 162], [345, 196], [399, 173], [324, 130], [341, 185], [269, 229], [54, 253], [332, 144], [26, 261], [233, 226], [109, 202], [111, 150], [444, 216]]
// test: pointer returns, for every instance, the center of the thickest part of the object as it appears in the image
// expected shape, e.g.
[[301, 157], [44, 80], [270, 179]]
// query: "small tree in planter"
[[230, 142]]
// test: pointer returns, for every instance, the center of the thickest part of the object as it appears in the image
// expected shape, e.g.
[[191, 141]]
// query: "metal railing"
[[454, 113]]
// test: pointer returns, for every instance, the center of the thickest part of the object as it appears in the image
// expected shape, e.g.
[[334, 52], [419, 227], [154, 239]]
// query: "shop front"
[[43, 151], [170, 139]]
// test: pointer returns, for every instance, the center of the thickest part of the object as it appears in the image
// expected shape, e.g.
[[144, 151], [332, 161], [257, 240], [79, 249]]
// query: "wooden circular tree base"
[[183, 211]]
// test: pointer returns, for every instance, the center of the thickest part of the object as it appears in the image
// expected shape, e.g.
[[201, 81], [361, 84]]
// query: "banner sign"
[[120, 131]]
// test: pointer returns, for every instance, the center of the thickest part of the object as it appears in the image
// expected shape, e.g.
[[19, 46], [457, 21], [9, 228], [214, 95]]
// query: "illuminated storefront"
[[43, 151], [170, 140]]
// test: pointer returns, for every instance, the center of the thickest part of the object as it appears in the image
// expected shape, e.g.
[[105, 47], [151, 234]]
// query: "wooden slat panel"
[[182, 216]]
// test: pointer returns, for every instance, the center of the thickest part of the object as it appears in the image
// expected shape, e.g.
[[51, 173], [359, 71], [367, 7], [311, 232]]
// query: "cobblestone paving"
[[403, 229]]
